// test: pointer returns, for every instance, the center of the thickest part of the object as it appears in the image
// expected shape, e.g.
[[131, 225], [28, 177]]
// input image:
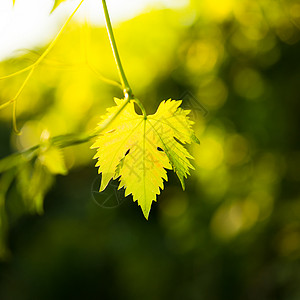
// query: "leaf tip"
[[56, 3], [117, 100], [146, 214], [182, 183], [195, 139], [146, 210]]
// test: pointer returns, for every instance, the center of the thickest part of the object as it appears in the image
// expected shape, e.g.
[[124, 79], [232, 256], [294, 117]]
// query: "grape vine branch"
[[151, 143], [70, 139]]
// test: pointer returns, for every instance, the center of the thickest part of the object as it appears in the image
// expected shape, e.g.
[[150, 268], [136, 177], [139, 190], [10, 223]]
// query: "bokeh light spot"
[[249, 84], [210, 154], [202, 56], [175, 205], [236, 150], [30, 135], [213, 93]]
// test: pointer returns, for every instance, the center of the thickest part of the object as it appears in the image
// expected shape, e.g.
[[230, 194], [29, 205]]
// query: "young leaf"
[[34, 181], [139, 149], [56, 3], [53, 159]]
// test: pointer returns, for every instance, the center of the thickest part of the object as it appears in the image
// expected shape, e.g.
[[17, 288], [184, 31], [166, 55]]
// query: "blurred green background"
[[235, 232]]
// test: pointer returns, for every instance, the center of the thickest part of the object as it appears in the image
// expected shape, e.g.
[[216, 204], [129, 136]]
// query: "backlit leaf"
[[139, 150], [53, 159], [34, 181], [56, 3]]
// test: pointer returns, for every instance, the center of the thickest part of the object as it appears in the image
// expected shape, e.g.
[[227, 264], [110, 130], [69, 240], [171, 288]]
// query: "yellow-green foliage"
[[138, 149]]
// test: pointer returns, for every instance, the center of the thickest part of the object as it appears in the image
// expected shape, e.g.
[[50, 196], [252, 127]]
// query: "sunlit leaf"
[[56, 3], [53, 159], [139, 150], [34, 181]]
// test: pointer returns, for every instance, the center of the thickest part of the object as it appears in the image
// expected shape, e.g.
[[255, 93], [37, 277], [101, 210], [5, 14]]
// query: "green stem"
[[141, 106], [49, 48], [57, 36], [61, 141], [125, 85]]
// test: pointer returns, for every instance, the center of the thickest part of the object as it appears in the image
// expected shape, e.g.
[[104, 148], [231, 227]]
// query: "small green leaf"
[[34, 181], [53, 159], [56, 3]]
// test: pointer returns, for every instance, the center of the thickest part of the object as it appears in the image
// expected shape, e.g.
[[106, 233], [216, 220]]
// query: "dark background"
[[235, 232]]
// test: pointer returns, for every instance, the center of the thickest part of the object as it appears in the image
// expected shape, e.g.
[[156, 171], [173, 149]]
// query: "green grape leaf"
[[139, 149], [56, 3], [34, 181], [53, 159], [36, 177]]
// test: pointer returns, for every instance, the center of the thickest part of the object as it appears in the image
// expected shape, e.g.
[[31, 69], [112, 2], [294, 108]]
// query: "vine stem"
[[49, 48], [31, 68], [63, 141], [125, 85], [14, 100], [123, 78]]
